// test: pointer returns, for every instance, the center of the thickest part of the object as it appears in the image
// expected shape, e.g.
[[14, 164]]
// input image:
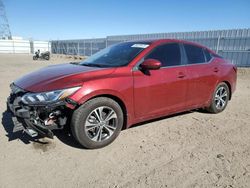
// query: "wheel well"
[[120, 102], [230, 91]]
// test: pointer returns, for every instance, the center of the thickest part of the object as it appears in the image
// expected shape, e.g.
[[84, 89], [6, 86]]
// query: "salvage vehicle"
[[120, 86]]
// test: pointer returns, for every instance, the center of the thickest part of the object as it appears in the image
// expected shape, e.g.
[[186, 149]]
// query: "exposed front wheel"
[[97, 122], [220, 98]]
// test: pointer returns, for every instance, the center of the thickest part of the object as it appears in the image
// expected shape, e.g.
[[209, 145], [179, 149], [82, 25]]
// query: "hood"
[[59, 77]]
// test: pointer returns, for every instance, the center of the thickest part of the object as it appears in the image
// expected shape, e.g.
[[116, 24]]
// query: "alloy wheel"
[[101, 124], [220, 98]]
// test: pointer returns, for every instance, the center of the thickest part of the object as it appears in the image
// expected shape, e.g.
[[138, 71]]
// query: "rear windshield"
[[117, 55]]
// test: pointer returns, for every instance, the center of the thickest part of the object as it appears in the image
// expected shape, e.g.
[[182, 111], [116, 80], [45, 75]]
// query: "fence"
[[40, 45], [23, 46], [14, 46], [232, 44]]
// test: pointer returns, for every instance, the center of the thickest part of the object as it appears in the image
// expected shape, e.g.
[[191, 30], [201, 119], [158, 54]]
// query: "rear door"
[[163, 90], [202, 75]]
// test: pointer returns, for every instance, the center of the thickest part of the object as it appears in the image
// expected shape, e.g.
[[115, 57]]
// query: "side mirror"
[[150, 64]]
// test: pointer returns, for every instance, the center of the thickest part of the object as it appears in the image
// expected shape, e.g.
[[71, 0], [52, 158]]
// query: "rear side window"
[[194, 54], [168, 55], [207, 55]]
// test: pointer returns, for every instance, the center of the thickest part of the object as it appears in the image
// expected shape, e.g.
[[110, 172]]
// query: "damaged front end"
[[40, 113]]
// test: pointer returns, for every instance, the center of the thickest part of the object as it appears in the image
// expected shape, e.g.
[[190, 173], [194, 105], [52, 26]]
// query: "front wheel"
[[97, 122], [47, 57], [220, 98]]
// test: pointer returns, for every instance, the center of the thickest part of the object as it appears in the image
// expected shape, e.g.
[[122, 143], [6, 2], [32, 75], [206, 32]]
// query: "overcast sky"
[[75, 19]]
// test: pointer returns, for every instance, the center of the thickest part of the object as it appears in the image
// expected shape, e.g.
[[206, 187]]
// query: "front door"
[[161, 91]]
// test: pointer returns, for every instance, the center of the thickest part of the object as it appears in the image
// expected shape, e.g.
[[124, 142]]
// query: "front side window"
[[194, 54], [115, 56], [167, 54]]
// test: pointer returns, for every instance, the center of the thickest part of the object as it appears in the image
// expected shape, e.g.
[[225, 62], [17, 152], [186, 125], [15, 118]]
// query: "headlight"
[[47, 97]]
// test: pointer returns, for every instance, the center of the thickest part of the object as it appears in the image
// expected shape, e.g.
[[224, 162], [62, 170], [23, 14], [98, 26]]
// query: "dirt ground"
[[193, 149]]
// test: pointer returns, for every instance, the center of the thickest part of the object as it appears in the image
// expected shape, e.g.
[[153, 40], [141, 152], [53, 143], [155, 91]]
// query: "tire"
[[90, 129], [47, 57], [217, 104], [34, 58]]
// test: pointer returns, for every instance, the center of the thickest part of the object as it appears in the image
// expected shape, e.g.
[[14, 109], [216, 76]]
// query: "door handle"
[[216, 69], [181, 75]]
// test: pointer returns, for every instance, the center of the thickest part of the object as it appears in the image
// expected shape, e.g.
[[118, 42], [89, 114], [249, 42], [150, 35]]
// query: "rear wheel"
[[220, 98], [97, 122]]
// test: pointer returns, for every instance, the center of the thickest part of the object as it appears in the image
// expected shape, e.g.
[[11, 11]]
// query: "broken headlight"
[[48, 97]]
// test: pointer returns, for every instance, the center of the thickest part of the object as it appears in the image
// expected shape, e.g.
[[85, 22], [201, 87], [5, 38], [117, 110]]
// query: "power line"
[[4, 25]]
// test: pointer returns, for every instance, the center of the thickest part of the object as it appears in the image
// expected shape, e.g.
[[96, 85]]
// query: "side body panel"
[[202, 82], [161, 92], [119, 85]]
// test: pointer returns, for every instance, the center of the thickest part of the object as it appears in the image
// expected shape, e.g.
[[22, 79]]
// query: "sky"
[[79, 19]]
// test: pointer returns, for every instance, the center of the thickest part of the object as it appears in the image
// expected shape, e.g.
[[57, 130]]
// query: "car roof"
[[159, 41]]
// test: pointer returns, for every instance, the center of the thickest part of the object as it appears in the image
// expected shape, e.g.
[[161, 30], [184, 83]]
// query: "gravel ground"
[[192, 149]]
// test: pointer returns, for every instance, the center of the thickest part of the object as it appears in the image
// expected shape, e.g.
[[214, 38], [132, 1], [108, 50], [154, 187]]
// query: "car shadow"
[[64, 135], [162, 118], [67, 138], [9, 126]]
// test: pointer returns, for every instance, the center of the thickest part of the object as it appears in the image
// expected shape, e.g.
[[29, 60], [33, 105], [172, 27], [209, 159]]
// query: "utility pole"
[[4, 25]]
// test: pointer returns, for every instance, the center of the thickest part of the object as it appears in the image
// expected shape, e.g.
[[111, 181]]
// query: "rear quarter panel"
[[228, 73]]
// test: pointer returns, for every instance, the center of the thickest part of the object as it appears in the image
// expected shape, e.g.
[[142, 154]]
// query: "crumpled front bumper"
[[21, 119], [38, 119], [18, 110]]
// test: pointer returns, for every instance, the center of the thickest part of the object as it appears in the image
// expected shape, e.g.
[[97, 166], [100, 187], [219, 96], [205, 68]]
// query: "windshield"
[[115, 56]]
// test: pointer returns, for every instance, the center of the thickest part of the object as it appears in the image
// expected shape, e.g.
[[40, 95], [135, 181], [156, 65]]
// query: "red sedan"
[[119, 86]]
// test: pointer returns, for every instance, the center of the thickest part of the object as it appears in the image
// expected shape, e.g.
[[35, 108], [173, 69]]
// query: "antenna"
[[4, 25]]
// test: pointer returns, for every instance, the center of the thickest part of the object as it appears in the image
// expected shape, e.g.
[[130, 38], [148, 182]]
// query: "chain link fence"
[[232, 44]]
